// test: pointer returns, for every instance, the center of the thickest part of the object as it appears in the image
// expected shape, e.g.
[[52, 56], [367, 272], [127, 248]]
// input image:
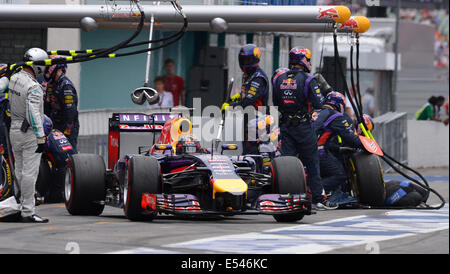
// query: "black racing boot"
[[34, 219]]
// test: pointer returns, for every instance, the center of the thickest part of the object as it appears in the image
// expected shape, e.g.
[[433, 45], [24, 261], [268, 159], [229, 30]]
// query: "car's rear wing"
[[132, 122]]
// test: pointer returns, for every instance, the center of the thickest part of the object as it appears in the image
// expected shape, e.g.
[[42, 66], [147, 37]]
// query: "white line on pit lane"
[[327, 236], [144, 250]]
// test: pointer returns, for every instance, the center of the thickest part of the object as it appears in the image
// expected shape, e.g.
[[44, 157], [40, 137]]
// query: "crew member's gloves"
[[236, 97], [41, 144], [225, 106]]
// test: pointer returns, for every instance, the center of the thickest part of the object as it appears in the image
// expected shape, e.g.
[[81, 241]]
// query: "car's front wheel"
[[288, 178], [143, 176]]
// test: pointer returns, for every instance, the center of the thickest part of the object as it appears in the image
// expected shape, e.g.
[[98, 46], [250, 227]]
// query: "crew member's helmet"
[[48, 125], [336, 100], [187, 144], [36, 54], [368, 121], [50, 71], [300, 56], [249, 57]]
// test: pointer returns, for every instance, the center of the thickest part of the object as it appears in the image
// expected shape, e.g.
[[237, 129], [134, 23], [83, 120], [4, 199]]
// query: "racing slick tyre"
[[84, 184], [143, 176], [6, 181], [368, 179], [44, 177], [288, 178]]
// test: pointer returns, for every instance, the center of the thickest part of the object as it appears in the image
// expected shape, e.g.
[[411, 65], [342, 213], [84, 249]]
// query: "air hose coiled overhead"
[[78, 56]]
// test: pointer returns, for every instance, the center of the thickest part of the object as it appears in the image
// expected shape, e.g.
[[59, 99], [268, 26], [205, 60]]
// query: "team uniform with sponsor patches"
[[254, 92], [61, 102], [57, 150], [328, 124], [296, 94]]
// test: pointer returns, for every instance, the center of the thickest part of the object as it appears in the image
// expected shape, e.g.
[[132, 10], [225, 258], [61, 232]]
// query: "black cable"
[[108, 52], [90, 56], [180, 35], [148, 49], [339, 65], [358, 92], [95, 51], [355, 87]]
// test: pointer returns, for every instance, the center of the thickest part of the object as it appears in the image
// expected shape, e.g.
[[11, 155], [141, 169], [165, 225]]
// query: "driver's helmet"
[[187, 143]]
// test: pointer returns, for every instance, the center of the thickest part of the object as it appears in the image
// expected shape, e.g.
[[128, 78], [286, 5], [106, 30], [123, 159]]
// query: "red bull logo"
[[351, 24], [289, 84], [330, 13], [359, 24]]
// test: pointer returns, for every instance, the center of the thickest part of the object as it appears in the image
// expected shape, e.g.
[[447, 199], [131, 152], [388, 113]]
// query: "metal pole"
[[394, 83], [166, 13], [149, 53]]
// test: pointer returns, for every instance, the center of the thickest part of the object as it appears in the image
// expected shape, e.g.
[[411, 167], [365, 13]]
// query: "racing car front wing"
[[187, 204]]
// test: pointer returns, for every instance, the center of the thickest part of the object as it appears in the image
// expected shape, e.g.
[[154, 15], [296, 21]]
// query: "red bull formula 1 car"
[[176, 176]]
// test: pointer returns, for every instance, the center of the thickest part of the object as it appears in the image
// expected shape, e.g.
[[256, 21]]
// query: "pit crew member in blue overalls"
[[254, 90], [61, 102], [296, 94], [57, 150], [329, 123]]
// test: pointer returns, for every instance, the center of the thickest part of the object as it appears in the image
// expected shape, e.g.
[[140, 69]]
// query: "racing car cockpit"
[[188, 144]]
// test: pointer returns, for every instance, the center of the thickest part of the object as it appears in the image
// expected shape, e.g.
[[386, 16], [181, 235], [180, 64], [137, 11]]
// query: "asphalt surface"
[[337, 231]]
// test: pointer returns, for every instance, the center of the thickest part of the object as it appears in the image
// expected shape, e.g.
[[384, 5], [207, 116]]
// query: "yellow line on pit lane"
[[51, 228], [113, 223]]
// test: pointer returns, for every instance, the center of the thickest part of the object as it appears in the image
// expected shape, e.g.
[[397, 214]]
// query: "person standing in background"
[[348, 105], [174, 83], [165, 97], [368, 102], [430, 111]]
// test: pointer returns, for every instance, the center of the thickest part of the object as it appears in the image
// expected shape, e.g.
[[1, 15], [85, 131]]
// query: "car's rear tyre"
[[84, 184], [44, 178], [288, 178], [143, 176], [368, 179]]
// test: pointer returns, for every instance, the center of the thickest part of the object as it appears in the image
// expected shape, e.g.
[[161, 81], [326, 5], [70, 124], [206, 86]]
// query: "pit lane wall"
[[428, 144]]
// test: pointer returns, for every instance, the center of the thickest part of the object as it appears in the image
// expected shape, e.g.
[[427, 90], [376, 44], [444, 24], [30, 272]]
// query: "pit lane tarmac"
[[338, 231]]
